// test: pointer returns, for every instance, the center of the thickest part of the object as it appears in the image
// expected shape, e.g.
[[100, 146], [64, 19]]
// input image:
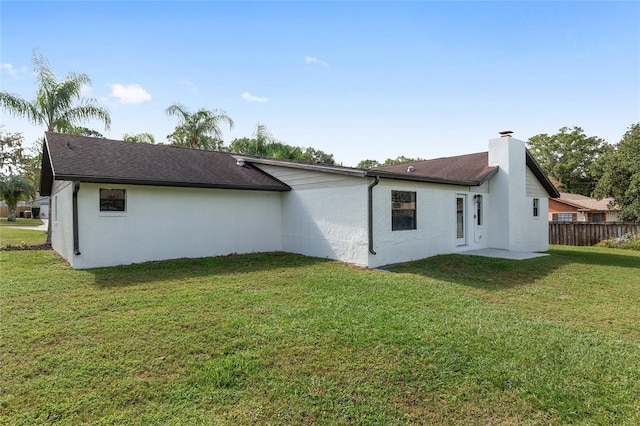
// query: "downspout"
[[76, 243], [374, 183]]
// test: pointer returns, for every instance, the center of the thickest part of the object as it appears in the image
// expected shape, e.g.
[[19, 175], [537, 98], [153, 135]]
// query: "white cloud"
[[312, 60], [132, 94], [251, 98], [13, 72]]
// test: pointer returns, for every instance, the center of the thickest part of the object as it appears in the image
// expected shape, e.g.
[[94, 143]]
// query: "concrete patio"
[[503, 254]]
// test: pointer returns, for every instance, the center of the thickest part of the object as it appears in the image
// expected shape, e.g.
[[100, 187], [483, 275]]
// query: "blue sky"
[[361, 80]]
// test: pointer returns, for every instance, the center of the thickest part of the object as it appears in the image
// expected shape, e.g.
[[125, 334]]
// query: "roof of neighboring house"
[[584, 203], [470, 169], [98, 160]]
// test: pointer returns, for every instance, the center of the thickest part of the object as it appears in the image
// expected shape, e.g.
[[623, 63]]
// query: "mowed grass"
[[21, 237], [20, 222], [285, 339]]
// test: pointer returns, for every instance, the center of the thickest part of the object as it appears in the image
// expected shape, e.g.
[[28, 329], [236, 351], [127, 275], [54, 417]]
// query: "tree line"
[[58, 106], [590, 166], [573, 161]]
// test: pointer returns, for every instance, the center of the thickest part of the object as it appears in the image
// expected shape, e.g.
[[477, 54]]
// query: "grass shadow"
[[498, 274], [482, 272], [599, 256], [186, 269]]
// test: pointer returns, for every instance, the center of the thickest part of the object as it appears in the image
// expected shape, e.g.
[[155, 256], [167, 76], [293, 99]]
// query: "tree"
[[258, 145], [312, 155], [32, 165], [198, 130], [58, 105], [13, 189], [11, 152], [265, 145], [368, 164], [81, 131], [569, 157], [401, 159], [139, 137], [621, 175]]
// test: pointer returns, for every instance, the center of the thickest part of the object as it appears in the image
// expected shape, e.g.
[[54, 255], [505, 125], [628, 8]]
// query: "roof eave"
[[47, 174], [124, 181], [305, 166], [539, 174], [417, 178]]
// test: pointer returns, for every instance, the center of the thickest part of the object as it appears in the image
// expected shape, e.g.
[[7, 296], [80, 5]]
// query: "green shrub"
[[628, 241]]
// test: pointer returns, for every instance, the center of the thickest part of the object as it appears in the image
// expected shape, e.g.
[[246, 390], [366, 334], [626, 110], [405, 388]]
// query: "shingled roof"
[[98, 160], [470, 169], [584, 203]]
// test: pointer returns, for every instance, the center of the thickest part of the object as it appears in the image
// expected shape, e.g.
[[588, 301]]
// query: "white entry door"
[[461, 225]]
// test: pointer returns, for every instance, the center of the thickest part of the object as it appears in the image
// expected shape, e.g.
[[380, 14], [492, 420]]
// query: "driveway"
[[42, 227]]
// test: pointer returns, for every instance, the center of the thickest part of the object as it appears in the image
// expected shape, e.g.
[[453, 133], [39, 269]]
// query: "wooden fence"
[[588, 233], [4, 210]]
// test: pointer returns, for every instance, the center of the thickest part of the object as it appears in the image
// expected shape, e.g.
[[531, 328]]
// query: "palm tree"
[[139, 137], [200, 129], [55, 103], [13, 189]]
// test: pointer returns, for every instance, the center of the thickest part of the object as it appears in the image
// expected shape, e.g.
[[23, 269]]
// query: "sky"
[[360, 80]]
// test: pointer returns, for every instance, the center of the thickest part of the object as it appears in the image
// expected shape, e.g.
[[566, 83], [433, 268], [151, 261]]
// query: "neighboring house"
[[43, 203], [118, 202], [579, 208]]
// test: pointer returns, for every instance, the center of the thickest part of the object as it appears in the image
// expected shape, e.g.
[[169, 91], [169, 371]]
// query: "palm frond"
[[178, 110], [20, 107], [85, 112]]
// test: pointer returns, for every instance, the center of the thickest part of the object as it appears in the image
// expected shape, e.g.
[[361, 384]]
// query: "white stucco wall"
[[512, 225], [435, 231], [166, 223], [324, 215], [62, 219]]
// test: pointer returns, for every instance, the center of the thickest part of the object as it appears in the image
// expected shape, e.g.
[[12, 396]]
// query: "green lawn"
[[21, 237], [21, 222], [285, 339]]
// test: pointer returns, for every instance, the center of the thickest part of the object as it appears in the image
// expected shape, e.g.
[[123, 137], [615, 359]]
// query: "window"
[[596, 217], [565, 217], [478, 200], [403, 210], [112, 200], [536, 207]]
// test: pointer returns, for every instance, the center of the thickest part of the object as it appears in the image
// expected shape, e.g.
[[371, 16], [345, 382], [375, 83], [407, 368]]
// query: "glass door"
[[461, 231]]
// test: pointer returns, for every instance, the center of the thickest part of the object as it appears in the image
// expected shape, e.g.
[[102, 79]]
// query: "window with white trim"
[[536, 207], [403, 210], [565, 217]]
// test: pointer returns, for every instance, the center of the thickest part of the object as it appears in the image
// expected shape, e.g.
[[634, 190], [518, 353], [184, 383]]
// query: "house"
[[116, 202], [579, 208]]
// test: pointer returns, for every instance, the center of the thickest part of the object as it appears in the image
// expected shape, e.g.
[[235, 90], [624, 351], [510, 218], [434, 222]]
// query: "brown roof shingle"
[[86, 159], [583, 203], [470, 169]]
